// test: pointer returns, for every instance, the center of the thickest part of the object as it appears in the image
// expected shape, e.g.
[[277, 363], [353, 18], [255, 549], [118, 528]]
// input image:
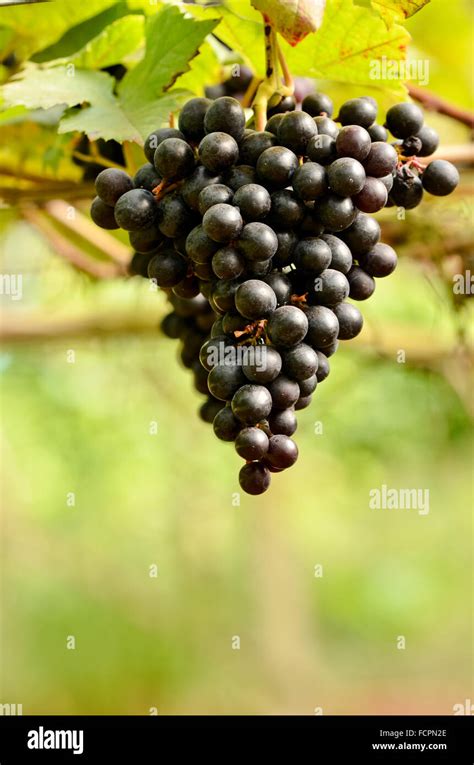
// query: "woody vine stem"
[[272, 89]]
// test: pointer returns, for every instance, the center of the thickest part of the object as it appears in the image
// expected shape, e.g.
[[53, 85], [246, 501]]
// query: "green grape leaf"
[[294, 19], [36, 28], [39, 88], [172, 40], [142, 103], [351, 47], [112, 119], [111, 46], [396, 11], [79, 35]]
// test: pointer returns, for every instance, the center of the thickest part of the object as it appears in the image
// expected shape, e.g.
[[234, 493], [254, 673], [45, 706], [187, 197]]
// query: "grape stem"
[[434, 103], [271, 89]]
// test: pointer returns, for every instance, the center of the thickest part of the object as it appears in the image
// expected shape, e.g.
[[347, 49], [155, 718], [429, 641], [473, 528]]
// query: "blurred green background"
[[224, 569]]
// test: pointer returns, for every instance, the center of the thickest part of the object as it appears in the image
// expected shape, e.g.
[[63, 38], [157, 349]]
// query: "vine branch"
[[435, 103]]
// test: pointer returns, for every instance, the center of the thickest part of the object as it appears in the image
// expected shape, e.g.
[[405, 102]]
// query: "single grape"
[[254, 144], [336, 213], [358, 111], [341, 256], [280, 285], [258, 241], [191, 118], [199, 247], [300, 362], [381, 159], [362, 234], [111, 183], [287, 326], [253, 200], [284, 392], [330, 350], [308, 386], [323, 367], [174, 217], [282, 451], [312, 255], [309, 181], [136, 209], [286, 211], [276, 166], [346, 176], [251, 403], [377, 132], [255, 299], [254, 478], [273, 123], [227, 116], [283, 422], [174, 159], [316, 104], [146, 239], [440, 178], [330, 287], [411, 146], [223, 295], [353, 141], [226, 427], [379, 261], [326, 126], [241, 175], [103, 215], [228, 263], [429, 141], [323, 326], [372, 197], [321, 149], [224, 380], [157, 137], [251, 444], [404, 119], [146, 177], [295, 130], [303, 403], [209, 409], [350, 320], [361, 284], [222, 222], [262, 364], [167, 268], [215, 194], [407, 190], [218, 151]]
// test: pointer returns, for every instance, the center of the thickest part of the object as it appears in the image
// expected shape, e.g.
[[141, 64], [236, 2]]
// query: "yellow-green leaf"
[[393, 11]]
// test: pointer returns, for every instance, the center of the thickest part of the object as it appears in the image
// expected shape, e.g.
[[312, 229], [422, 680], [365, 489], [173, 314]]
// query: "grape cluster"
[[258, 239]]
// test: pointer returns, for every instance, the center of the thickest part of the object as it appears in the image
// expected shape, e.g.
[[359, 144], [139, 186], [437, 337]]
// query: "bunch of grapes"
[[258, 239]]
